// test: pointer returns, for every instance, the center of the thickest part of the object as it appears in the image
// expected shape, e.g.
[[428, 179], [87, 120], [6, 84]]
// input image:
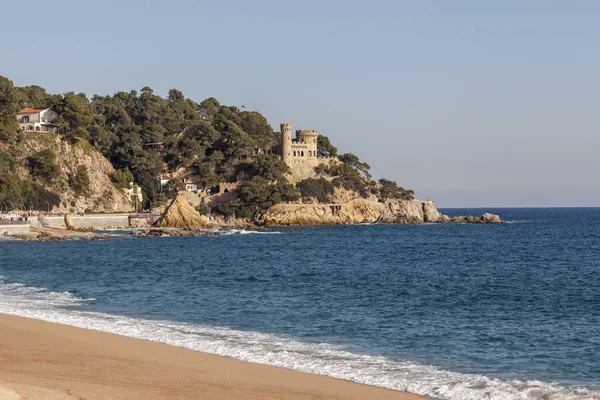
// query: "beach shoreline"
[[44, 360]]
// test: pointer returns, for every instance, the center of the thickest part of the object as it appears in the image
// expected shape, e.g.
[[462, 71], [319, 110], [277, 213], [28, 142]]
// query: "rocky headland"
[[358, 211]]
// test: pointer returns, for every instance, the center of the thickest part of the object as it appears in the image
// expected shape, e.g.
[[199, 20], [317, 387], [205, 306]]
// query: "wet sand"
[[41, 360]]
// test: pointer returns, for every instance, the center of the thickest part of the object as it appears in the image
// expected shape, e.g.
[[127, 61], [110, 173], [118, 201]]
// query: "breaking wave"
[[282, 351]]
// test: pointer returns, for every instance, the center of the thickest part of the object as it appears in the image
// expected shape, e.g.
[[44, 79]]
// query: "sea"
[[458, 312]]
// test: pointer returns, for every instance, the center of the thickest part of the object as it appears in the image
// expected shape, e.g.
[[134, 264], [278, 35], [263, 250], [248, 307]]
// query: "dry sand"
[[41, 360]]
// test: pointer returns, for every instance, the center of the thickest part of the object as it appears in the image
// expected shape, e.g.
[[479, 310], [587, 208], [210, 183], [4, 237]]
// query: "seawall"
[[14, 229], [85, 221]]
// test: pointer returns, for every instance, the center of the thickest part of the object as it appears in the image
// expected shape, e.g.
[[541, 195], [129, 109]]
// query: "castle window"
[[294, 153], [302, 153]]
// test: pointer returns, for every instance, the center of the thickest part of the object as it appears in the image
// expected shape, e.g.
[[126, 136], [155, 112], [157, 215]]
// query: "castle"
[[300, 154]]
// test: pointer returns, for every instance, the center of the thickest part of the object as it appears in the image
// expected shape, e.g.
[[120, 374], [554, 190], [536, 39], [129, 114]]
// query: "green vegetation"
[[142, 134], [259, 194], [325, 148], [42, 165], [22, 194], [354, 162], [203, 209], [264, 184], [9, 97], [121, 178], [390, 190], [172, 188], [320, 189], [80, 181], [352, 176]]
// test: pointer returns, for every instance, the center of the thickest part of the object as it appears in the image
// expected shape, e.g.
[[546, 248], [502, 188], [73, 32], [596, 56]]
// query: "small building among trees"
[[37, 119]]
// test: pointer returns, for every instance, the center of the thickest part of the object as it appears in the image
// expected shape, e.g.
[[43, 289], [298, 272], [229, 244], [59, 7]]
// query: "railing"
[[43, 221]]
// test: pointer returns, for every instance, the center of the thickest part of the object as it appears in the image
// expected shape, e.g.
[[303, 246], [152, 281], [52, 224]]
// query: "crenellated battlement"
[[300, 153], [307, 132]]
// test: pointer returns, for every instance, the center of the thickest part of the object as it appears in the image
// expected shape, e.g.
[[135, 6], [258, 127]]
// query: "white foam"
[[245, 232], [318, 358]]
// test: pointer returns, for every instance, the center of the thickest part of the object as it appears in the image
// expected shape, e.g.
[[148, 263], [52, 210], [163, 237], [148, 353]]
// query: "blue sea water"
[[508, 311]]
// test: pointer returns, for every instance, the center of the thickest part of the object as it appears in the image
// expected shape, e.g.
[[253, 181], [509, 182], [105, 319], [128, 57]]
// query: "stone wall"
[[14, 229], [304, 168], [94, 221]]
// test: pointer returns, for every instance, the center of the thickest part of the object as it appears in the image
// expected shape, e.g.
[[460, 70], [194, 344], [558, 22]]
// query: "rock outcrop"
[[398, 211], [101, 196], [179, 214], [69, 223], [430, 213], [357, 211], [486, 218], [353, 212]]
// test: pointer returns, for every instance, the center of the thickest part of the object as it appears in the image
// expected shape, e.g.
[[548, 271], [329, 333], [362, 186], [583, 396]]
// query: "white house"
[[162, 181], [36, 119], [190, 185]]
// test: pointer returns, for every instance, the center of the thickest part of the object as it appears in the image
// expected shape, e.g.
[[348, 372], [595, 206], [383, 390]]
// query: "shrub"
[[121, 178], [43, 165], [319, 189], [80, 181], [25, 194], [350, 179], [259, 194], [203, 209], [390, 190]]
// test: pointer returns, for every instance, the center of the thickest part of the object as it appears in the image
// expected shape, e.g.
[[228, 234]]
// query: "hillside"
[[143, 135], [70, 178]]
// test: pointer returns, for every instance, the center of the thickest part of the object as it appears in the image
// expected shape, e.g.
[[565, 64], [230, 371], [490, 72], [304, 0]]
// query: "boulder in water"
[[488, 218]]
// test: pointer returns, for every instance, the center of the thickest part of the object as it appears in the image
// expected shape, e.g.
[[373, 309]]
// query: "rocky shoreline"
[[181, 219], [360, 211]]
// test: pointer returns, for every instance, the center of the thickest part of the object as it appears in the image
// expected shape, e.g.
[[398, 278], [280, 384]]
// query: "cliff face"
[[356, 211], [102, 195]]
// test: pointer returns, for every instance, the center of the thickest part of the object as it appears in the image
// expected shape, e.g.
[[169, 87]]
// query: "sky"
[[470, 103]]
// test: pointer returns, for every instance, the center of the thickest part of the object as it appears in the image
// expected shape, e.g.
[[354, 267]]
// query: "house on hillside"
[[37, 119]]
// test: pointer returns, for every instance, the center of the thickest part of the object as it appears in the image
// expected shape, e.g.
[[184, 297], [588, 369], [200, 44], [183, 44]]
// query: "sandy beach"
[[41, 360]]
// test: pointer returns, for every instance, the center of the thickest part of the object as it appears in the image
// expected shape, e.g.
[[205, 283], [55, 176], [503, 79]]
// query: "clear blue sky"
[[472, 103]]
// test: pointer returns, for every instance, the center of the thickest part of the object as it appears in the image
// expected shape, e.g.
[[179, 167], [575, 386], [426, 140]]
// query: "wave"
[[282, 351], [245, 232]]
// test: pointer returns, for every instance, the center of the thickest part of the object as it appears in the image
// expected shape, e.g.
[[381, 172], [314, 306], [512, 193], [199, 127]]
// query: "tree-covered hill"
[[144, 134]]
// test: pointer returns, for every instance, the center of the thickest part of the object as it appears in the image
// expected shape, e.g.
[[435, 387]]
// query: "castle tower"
[[286, 143], [309, 138]]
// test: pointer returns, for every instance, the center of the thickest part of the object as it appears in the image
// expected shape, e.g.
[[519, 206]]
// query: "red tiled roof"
[[31, 110]]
